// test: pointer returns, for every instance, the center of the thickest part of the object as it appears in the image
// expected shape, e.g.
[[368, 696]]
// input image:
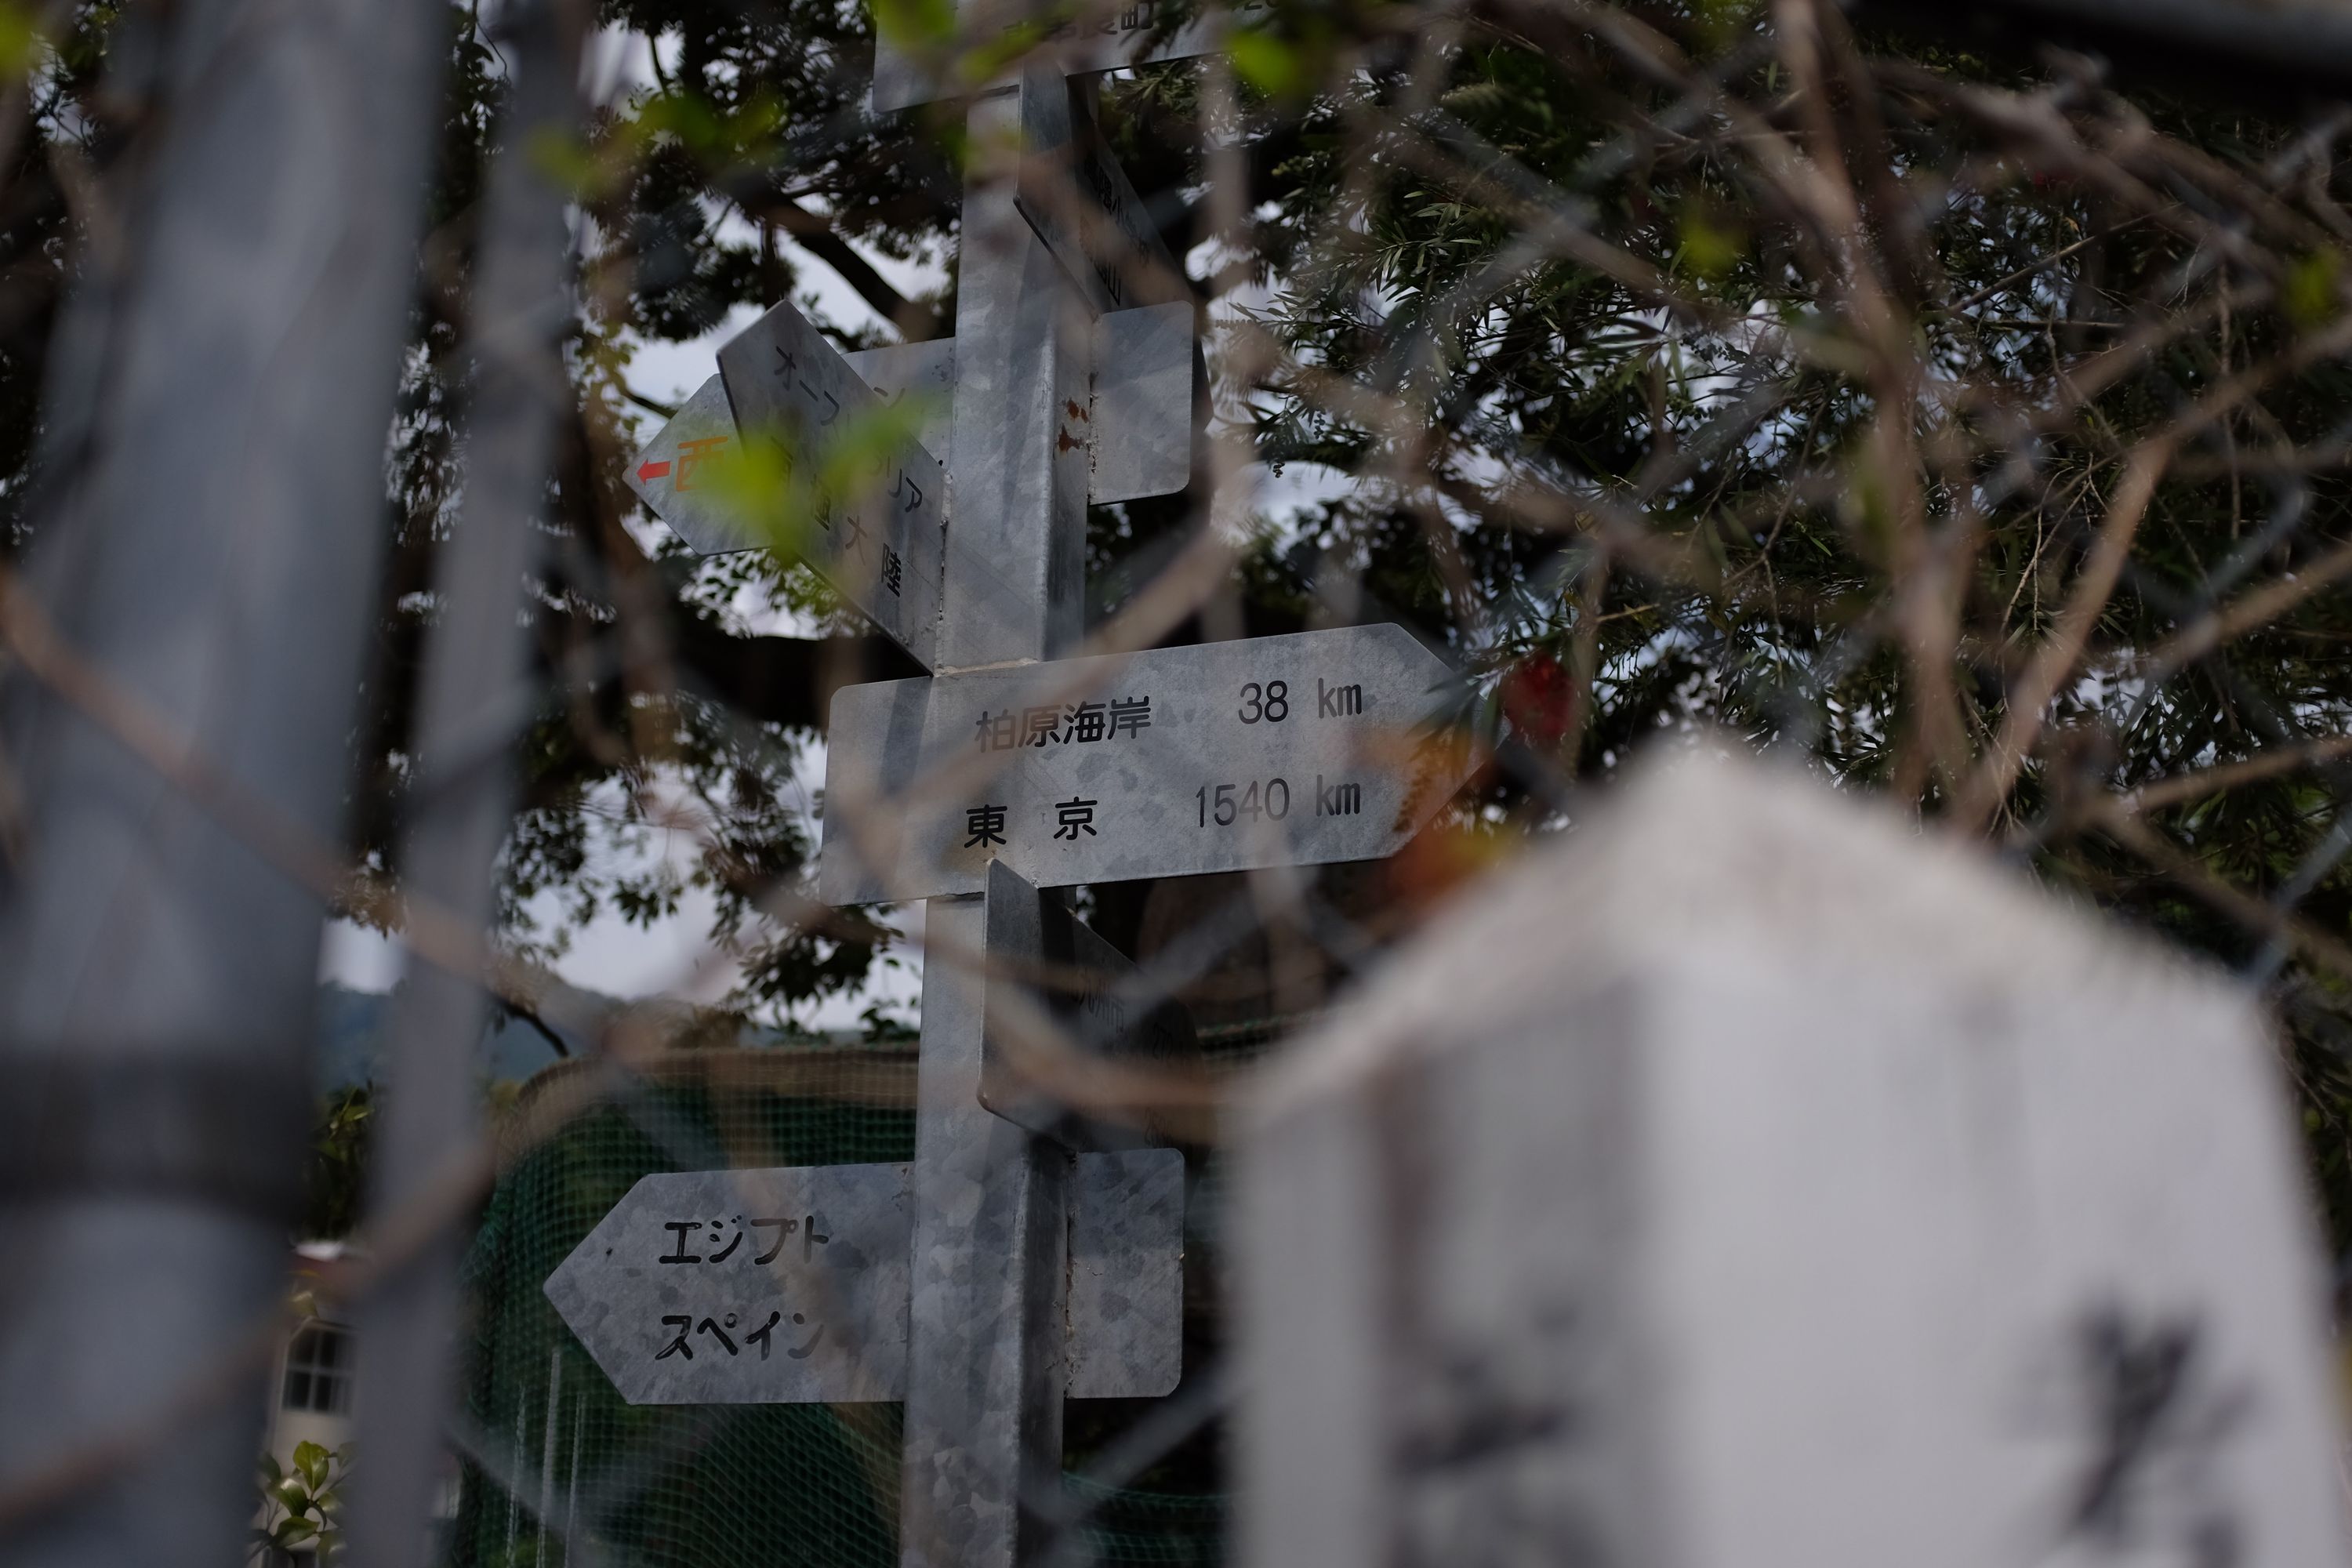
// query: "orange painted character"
[[691, 456]]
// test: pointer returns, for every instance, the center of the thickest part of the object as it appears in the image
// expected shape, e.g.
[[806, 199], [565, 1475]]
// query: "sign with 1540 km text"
[[1296, 749]]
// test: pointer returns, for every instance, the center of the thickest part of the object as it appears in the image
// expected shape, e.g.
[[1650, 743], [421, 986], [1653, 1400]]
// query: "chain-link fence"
[[1958, 411]]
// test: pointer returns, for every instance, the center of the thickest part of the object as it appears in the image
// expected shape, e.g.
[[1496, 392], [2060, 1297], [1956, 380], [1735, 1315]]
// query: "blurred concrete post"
[[1747, 1181], [475, 702], [209, 544], [984, 1374]]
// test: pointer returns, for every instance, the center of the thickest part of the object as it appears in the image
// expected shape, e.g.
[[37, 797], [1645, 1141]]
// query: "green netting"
[[713, 1487]]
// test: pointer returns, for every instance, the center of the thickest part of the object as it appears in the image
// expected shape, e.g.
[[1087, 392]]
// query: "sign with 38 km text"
[[1293, 751]]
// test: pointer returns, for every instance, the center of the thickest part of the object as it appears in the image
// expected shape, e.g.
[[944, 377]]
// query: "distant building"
[[311, 1394], [316, 1376]]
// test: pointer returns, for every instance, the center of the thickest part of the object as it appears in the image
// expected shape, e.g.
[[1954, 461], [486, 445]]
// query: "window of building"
[[319, 1370]]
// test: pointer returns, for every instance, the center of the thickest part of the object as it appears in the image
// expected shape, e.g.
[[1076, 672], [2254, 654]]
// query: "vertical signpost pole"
[[985, 1376]]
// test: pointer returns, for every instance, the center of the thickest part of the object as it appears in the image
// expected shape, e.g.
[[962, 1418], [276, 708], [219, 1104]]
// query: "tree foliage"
[[1973, 426], [301, 1506]]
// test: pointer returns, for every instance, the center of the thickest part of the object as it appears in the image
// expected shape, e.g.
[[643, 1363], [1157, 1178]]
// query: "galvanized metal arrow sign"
[[1279, 751], [791, 1286], [747, 1287], [884, 547]]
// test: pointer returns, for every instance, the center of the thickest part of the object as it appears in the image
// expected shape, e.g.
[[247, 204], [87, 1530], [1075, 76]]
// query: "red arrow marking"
[[653, 471]]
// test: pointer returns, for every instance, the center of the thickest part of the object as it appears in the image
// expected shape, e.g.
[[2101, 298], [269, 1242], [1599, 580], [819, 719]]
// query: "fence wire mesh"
[[1965, 421], [684, 1487]]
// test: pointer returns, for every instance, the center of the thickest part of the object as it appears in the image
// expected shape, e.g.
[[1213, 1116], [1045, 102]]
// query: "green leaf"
[[311, 1458], [1709, 248], [2312, 294], [21, 41], [1265, 61], [758, 483], [777, 488], [915, 24], [565, 161]]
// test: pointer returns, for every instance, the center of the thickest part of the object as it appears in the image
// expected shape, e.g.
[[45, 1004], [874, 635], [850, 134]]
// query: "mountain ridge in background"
[[351, 1025]]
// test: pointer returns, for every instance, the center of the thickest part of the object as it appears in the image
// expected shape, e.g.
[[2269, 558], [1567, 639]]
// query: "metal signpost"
[[1027, 1255]]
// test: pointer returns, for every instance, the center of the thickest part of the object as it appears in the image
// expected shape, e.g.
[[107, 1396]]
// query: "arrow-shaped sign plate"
[[884, 547], [1283, 751], [1082, 205], [791, 1286], [672, 475]]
